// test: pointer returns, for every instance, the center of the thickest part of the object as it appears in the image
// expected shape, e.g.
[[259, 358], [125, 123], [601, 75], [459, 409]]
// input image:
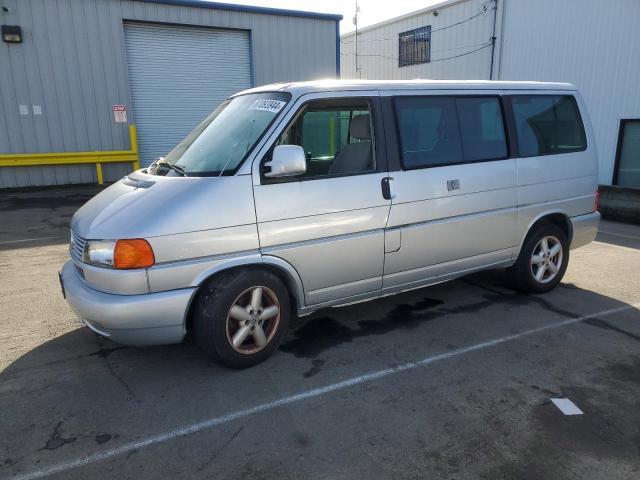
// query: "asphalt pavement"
[[447, 382]]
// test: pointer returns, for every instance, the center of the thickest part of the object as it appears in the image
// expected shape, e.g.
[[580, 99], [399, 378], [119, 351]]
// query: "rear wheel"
[[542, 261], [241, 317]]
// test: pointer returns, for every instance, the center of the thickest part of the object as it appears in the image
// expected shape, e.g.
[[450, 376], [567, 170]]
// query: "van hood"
[[144, 206]]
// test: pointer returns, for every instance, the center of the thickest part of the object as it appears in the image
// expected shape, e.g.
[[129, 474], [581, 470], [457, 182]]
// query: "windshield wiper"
[[173, 167]]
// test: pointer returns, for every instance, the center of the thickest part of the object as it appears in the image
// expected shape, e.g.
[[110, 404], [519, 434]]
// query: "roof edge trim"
[[247, 9]]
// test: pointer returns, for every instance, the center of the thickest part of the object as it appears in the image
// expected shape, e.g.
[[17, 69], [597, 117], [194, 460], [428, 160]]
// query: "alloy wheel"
[[546, 259], [253, 320]]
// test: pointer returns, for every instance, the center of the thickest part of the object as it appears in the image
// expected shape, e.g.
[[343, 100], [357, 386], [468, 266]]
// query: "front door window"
[[336, 135]]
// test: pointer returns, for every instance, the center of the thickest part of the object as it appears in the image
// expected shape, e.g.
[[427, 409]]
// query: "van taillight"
[[595, 201]]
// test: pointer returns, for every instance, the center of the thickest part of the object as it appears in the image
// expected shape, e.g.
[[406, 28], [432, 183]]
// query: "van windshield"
[[224, 139]]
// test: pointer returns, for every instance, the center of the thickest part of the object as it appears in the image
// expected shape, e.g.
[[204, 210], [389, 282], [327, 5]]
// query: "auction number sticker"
[[267, 105]]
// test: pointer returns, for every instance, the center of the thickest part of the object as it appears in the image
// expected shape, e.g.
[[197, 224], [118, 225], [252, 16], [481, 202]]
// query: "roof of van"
[[300, 88]]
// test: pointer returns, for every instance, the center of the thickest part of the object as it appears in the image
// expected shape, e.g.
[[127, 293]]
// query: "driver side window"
[[336, 135]]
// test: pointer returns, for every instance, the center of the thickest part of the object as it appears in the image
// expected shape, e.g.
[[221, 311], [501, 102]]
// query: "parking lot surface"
[[447, 382]]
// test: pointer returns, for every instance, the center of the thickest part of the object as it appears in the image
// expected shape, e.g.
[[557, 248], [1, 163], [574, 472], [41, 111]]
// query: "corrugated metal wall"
[[593, 44], [378, 45], [72, 63]]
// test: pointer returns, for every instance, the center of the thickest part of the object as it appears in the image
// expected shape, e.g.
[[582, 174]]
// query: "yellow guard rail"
[[72, 158]]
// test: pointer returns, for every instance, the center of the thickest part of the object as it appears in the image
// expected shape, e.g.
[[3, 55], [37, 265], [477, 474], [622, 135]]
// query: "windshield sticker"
[[267, 105]]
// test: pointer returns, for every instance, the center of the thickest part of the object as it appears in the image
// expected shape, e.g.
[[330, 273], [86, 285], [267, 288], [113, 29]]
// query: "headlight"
[[99, 252], [120, 254]]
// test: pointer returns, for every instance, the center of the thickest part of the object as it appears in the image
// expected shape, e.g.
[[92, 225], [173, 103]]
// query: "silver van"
[[293, 197]]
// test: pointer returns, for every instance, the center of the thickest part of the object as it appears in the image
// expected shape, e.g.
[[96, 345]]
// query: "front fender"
[[192, 273], [288, 272]]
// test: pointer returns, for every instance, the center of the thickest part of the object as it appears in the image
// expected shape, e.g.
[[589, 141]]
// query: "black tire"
[[521, 273], [212, 310]]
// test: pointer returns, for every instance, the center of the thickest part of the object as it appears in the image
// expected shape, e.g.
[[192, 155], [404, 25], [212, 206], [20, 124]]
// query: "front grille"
[[76, 248], [80, 272]]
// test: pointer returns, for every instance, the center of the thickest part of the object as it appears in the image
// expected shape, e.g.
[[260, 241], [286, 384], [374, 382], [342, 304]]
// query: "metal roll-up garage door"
[[178, 75]]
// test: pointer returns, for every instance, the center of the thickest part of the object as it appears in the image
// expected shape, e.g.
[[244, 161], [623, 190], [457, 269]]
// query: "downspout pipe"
[[493, 37]]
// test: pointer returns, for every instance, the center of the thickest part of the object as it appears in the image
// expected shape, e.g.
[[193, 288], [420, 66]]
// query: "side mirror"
[[286, 161]]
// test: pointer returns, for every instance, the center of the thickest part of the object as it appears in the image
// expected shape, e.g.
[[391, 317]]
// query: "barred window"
[[414, 47]]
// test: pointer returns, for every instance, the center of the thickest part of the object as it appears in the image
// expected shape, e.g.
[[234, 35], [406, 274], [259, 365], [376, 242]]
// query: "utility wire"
[[432, 31], [431, 61], [473, 17], [458, 48]]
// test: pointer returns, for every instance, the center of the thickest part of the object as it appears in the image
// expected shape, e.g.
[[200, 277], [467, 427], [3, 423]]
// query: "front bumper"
[[585, 229], [136, 320]]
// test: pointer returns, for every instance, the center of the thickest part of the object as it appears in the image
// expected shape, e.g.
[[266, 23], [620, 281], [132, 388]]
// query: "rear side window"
[[429, 133], [482, 128], [547, 124], [436, 131]]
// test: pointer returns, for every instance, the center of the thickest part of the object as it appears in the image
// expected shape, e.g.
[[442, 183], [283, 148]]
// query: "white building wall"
[[378, 45], [593, 44]]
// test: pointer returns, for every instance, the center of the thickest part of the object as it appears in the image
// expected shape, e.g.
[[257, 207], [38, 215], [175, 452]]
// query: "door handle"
[[453, 185], [386, 188]]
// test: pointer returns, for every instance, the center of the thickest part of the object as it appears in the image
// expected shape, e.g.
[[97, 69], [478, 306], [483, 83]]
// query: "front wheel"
[[241, 317], [542, 261]]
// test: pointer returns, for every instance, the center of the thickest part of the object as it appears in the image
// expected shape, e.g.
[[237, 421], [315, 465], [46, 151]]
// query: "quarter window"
[[547, 124], [437, 131], [336, 136]]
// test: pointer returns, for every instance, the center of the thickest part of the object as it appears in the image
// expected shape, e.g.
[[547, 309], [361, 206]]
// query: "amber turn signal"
[[135, 253]]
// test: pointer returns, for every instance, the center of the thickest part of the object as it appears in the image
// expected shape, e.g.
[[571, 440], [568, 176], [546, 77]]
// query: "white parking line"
[[22, 240], [566, 406], [316, 392]]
